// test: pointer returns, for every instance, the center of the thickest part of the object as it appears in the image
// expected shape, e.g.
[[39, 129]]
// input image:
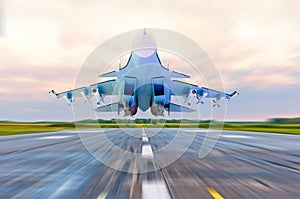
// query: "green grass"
[[264, 127], [13, 128]]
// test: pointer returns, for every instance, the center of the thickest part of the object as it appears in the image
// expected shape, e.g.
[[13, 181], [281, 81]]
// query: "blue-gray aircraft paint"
[[144, 83]]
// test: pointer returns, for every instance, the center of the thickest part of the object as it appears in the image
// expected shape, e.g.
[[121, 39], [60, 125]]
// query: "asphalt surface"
[[241, 165]]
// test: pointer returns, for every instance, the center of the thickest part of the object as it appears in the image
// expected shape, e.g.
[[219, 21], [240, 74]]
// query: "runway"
[[241, 165]]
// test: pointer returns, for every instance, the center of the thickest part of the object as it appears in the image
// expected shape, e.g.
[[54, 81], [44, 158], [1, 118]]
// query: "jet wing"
[[106, 88], [210, 93], [102, 88], [181, 88]]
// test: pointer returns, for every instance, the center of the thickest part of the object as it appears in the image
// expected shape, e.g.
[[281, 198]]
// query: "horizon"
[[133, 119]]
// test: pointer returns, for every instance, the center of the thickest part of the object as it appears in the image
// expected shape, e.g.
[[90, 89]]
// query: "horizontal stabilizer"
[[178, 108], [108, 108]]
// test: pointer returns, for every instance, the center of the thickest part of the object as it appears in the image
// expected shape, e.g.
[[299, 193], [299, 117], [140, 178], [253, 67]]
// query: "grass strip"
[[14, 128]]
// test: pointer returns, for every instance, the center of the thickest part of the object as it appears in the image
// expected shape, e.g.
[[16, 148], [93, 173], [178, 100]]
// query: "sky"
[[255, 46]]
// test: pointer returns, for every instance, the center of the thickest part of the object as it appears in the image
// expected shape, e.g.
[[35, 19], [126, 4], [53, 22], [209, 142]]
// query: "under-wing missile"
[[86, 94], [98, 95], [187, 99], [67, 97], [200, 95]]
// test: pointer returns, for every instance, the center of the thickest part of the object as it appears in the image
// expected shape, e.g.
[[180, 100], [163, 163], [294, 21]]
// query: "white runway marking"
[[155, 189], [53, 137], [145, 139], [235, 136], [147, 151], [152, 189]]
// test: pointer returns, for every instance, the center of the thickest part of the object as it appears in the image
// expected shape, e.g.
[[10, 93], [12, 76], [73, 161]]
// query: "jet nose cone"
[[144, 44]]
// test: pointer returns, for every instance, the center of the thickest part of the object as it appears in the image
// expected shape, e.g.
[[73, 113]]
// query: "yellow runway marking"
[[102, 196], [214, 193]]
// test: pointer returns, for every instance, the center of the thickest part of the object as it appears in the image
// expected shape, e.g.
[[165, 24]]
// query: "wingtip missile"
[[234, 93], [53, 92]]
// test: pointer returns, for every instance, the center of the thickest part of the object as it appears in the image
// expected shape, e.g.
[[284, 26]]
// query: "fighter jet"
[[142, 84]]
